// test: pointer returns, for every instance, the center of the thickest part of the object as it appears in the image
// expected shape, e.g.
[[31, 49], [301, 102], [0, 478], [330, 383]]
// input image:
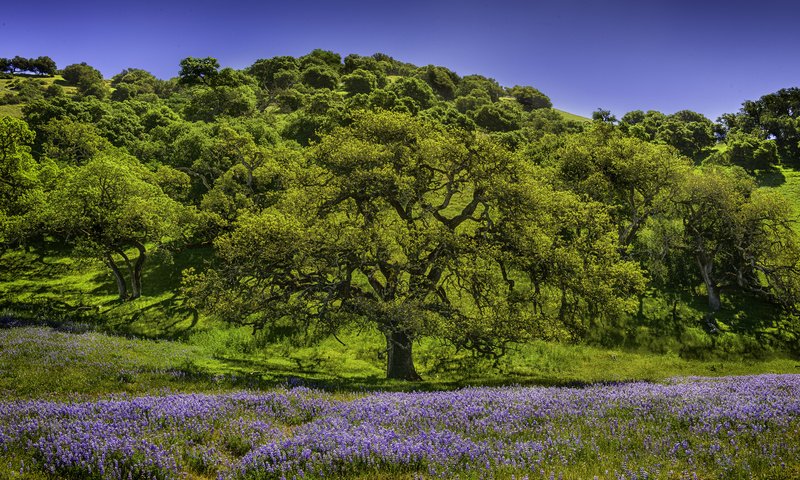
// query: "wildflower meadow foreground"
[[733, 427]]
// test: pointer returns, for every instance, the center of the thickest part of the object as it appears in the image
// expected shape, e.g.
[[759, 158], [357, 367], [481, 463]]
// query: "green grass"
[[8, 86], [572, 116], [44, 362], [47, 277], [11, 111], [785, 181]]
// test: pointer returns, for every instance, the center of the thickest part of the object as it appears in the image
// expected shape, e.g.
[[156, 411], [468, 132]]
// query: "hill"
[[311, 198]]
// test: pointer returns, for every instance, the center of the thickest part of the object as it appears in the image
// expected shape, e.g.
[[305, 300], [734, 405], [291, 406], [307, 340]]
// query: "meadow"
[[83, 404]]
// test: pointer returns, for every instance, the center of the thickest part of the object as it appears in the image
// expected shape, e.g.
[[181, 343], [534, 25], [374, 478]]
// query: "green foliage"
[[276, 72], [41, 65], [429, 267], [413, 93], [132, 82], [110, 204], [441, 80], [206, 104], [472, 83], [636, 177], [739, 237], [21, 178], [498, 117], [359, 81], [749, 152], [774, 116], [72, 142], [689, 132], [319, 76], [88, 80], [530, 98], [325, 58], [198, 70]]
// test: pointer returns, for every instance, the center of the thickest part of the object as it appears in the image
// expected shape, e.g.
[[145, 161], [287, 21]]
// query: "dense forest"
[[367, 191]]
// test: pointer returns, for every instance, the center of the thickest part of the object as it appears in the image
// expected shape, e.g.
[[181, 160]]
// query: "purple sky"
[[704, 55]]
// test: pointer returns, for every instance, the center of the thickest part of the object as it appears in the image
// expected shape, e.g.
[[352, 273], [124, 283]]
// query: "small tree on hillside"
[[113, 204]]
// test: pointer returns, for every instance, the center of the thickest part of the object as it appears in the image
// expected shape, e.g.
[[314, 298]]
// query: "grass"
[[10, 86], [43, 362], [572, 116], [11, 110], [786, 181]]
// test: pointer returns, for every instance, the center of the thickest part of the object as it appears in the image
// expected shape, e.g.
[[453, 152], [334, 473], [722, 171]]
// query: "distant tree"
[[88, 80], [690, 132], [207, 104], [642, 125], [489, 86], [21, 64], [290, 100], [498, 117], [446, 114], [6, 66], [355, 62], [604, 116], [530, 98], [44, 66], [319, 76], [71, 142], [747, 151], [469, 103], [132, 82], [637, 179], [276, 73], [752, 153], [442, 80], [775, 115], [21, 196], [739, 237], [198, 70], [359, 81], [419, 93], [228, 77], [324, 58], [73, 73]]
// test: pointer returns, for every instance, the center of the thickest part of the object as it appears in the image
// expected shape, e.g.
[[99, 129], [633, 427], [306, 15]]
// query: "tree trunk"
[[136, 273], [122, 287], [399, 360], [714, 302], [706, 268]]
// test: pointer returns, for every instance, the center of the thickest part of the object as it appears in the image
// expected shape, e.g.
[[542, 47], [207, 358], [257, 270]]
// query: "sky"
[[621, 55]]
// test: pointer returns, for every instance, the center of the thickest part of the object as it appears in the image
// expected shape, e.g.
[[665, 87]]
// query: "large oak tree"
[[420, 230]]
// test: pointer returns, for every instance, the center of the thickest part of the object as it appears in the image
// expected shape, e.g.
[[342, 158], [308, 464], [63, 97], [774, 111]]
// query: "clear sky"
[[621, 55]]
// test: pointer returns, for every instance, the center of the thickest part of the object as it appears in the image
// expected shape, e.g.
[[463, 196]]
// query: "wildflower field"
[[728, 427]]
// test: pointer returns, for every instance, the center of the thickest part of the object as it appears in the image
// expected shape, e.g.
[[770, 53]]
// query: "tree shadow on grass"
[[770, 178]]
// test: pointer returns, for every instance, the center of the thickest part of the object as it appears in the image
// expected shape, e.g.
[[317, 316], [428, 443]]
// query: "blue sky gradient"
[[707, 56]]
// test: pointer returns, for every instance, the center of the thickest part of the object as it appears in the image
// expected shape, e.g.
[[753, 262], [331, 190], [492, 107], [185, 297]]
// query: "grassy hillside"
[[572, 116], [785, 181], [11, 87]]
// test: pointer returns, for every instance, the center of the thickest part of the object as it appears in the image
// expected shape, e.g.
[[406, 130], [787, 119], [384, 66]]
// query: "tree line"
[[40, 65], [364, 190]]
